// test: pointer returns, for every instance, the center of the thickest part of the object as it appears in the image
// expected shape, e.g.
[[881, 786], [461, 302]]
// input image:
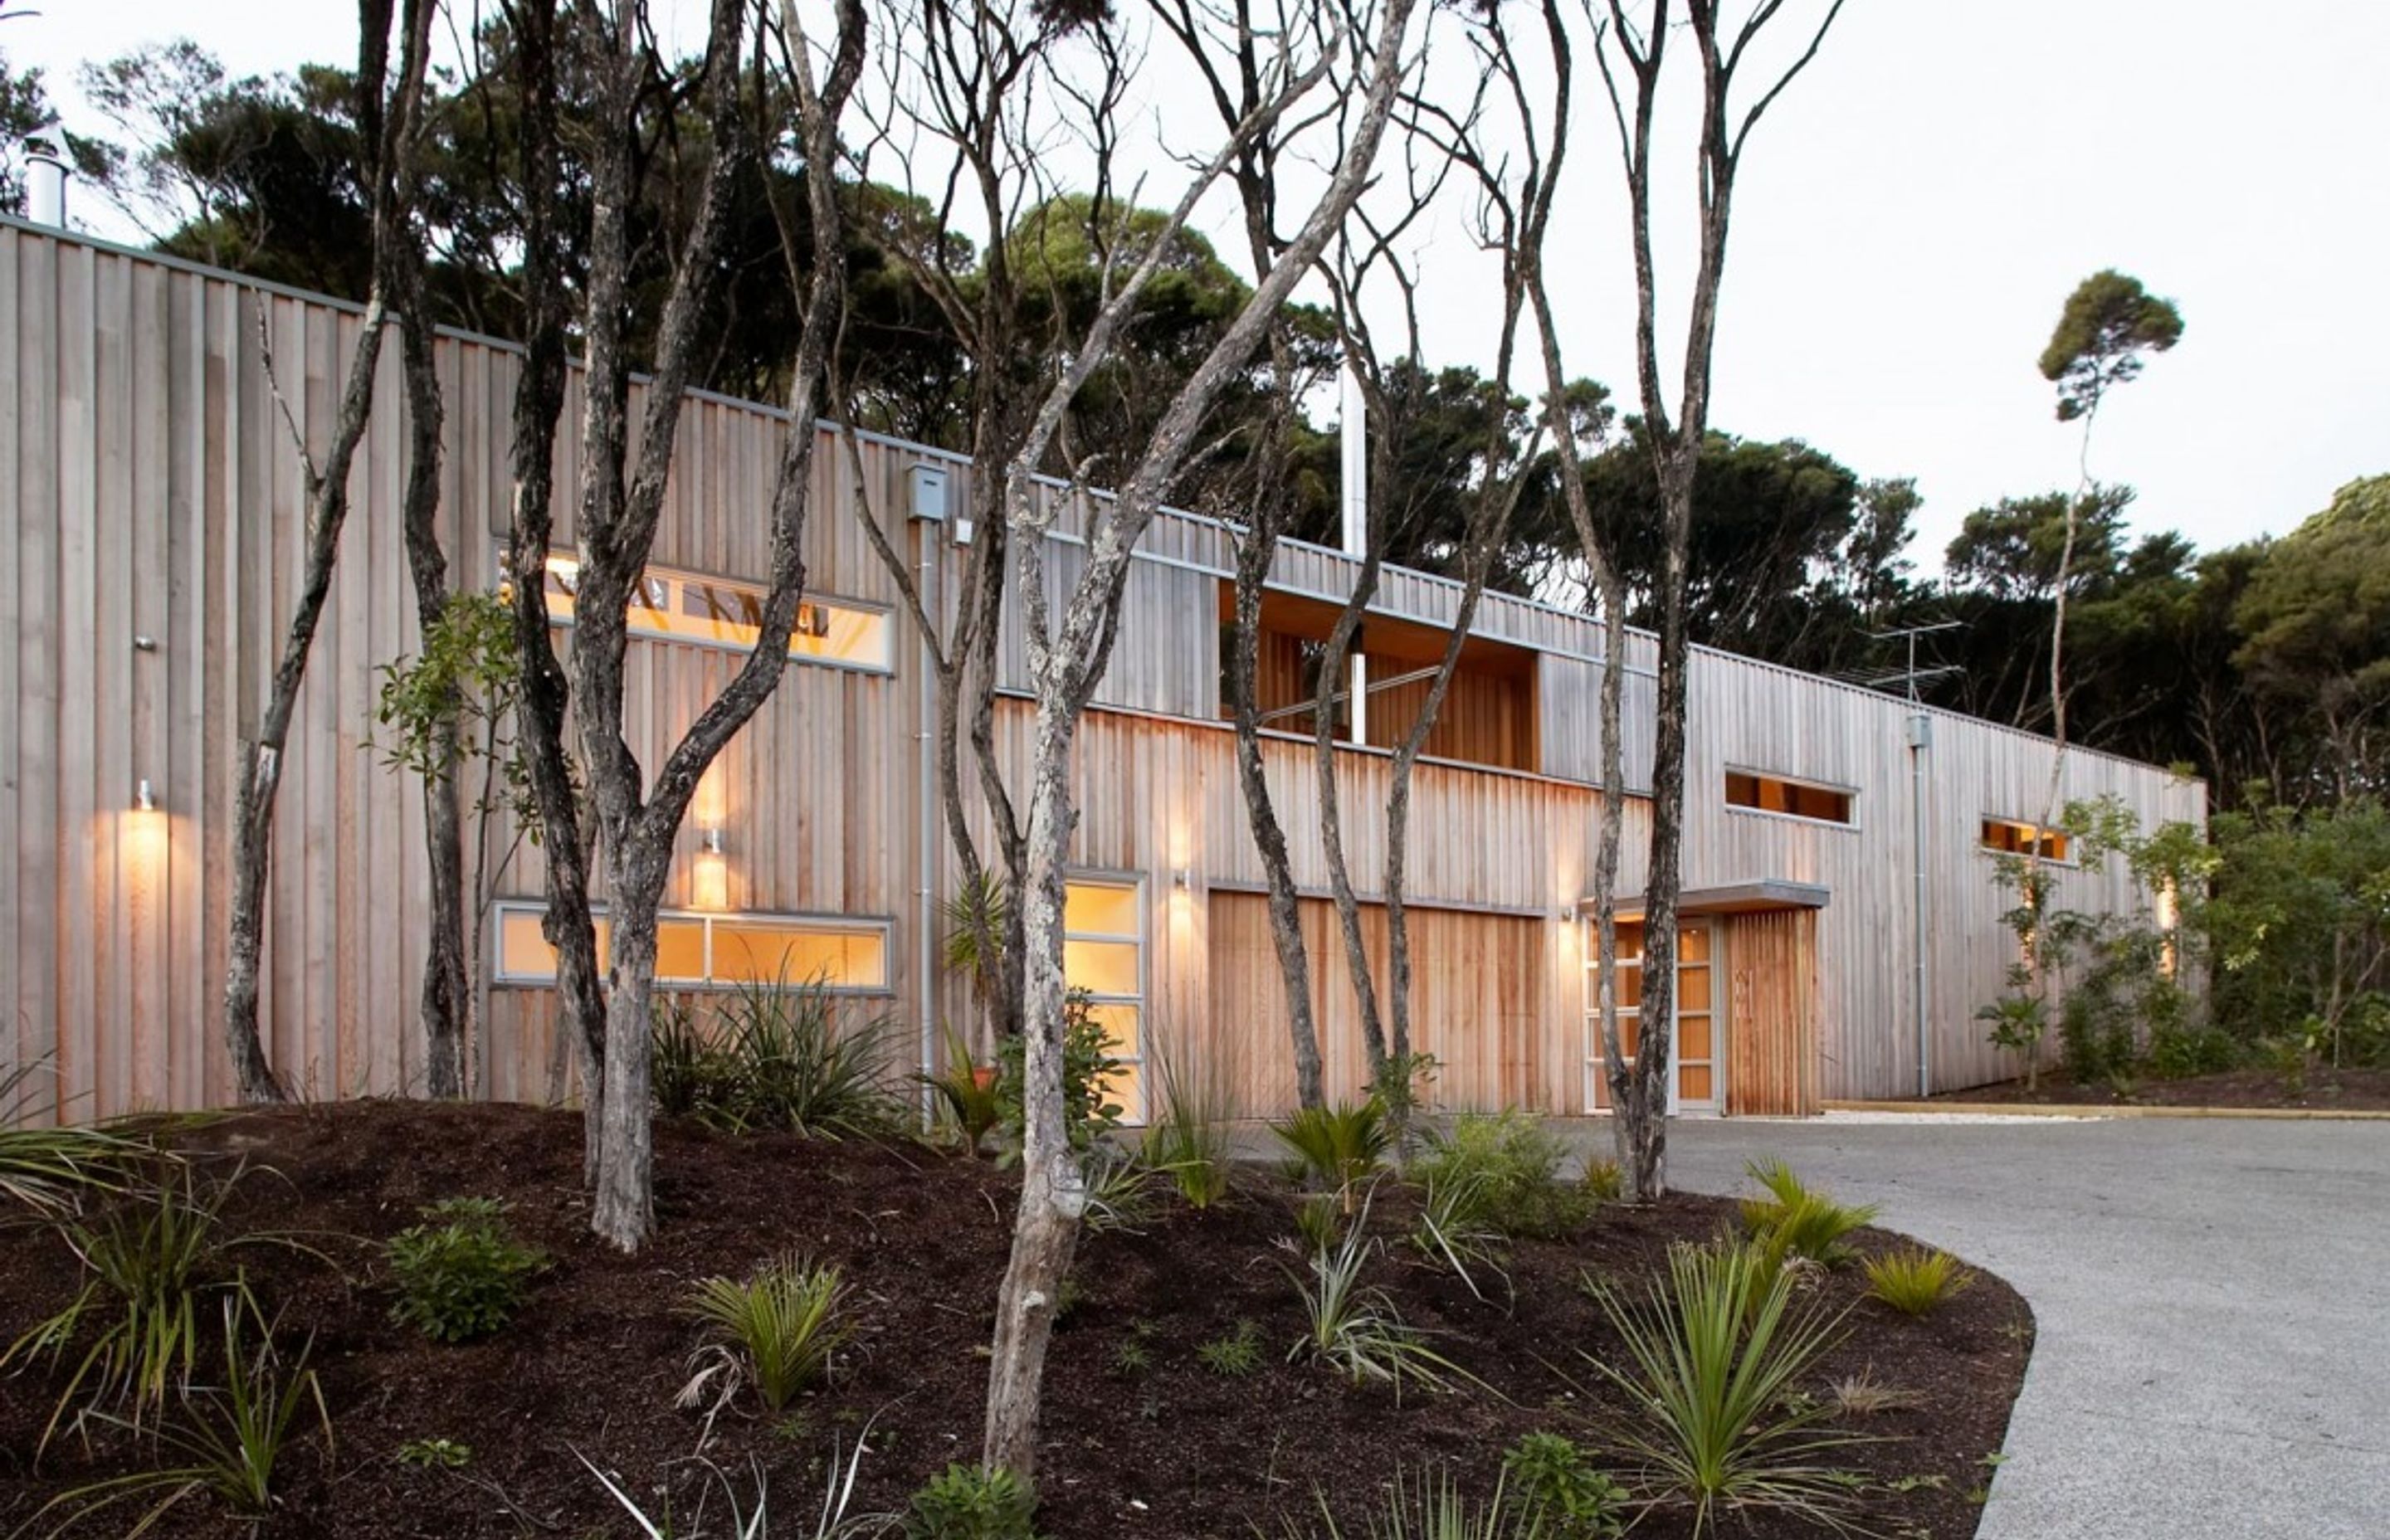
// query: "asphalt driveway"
[[2213, 1298]]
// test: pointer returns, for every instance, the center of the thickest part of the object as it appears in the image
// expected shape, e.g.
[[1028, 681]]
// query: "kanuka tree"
[[1633, 51], [621, 500], [1070, 644], [388, 102], [1231, 70], [1509, 191]]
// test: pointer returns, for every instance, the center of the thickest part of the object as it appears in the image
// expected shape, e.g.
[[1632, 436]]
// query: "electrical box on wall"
[[930, 493], [1920, 731]]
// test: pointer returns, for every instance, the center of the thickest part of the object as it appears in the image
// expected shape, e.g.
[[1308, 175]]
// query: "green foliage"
[[2018, 1022], [1552, 1475], [1795, 1221], [968, 1100], [454, 704], [778, 1329], [1353, 1329], [152, 1260], [435, 1454], [977, 917], [1319, 1220], [2108, 323], [1916, 1281], [1234, 1356], [1429, 1506], [777, 1057], [1188, 1139], [2299, 927], [966, 1503], [50, 1171], [1503, 1173], [228, 1441], [1402, 1087], [1603, 1182], [1089, 1071], [462, 1274], [1120, 1191], [1341, 1146], [1715, 1356], [1455, 1230]]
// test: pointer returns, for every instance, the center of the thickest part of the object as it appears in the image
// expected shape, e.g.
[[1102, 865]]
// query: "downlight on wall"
[[710, 880], [144, 832]]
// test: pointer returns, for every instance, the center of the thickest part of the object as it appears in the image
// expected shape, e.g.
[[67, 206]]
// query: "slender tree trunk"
[[1261, 813], [1053, 1190], [388, 129], [446, 992], [542, 709]]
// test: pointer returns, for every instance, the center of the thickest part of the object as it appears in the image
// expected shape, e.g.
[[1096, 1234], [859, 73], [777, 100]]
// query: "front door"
[[1697, 1084]]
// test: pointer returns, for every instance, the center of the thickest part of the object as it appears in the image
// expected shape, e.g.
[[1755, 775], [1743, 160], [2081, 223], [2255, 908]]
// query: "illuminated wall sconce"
[[144, 840], [711, 885]]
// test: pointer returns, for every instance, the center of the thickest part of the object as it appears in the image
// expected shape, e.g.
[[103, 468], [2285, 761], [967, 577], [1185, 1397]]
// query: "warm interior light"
[[710, 879]]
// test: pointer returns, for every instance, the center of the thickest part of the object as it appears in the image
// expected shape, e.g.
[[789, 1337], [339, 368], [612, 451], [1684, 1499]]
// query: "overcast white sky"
[[1909, 219]]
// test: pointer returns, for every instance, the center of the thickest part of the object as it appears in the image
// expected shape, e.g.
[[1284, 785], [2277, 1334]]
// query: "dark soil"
[[2318, 1091], [1169, 1451]]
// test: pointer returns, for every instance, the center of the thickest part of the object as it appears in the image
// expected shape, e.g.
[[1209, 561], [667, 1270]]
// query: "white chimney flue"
[[46, 186]]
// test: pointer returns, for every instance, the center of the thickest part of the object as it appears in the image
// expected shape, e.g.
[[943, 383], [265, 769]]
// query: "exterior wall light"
[[710, 887]]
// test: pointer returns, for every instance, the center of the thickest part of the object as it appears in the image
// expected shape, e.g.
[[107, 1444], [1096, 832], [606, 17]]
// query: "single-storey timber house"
[[155, 509]]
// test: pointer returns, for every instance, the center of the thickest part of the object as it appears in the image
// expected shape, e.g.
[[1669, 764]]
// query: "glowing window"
[[1103, 954], [704, 950], [682, 607], [2012, 837], [1790, 798]]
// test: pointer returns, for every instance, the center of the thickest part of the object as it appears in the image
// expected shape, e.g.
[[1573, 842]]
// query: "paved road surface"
[[2213, 1298]]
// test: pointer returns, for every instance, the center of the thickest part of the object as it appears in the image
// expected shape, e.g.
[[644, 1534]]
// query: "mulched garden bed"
[[2318, 1091], [1171, 1451]]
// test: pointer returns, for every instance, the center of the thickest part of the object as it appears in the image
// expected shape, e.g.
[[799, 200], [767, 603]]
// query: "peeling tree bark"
[[388, 127], [1640, 1100], [1066, 662]]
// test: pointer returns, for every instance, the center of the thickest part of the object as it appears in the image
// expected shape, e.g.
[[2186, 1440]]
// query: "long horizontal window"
[[1760, 793], [2012, 837], [683, 607], [699, 951]]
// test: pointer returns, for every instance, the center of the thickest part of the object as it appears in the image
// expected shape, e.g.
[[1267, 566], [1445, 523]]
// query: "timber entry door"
[[1698, 1084]]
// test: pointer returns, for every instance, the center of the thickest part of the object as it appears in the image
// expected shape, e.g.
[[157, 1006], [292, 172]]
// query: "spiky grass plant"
[[755, 1523], [1453, 1231], [1715, 1355], [50, 1171], [797, 1062], [1234, 1355], [778, 1329], [229, 1441], [1354, 1327], [1915, 1280], [1794, 1220], [1428, 1504], [966, 1098], [1187, 1140], [1120, 1191], [1508, 1165], [1862, 1395], [1340, 1147], [152, 1260]]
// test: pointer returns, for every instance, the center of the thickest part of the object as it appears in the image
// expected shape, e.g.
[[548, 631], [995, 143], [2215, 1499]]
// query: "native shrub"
[[462, 1274]]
